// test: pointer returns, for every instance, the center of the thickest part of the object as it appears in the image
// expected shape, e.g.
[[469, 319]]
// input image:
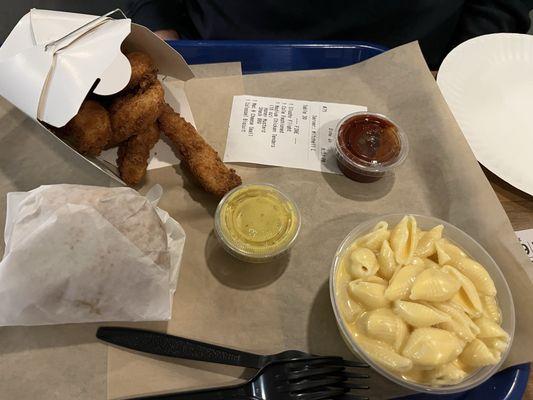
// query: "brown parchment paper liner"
[[285, 305]]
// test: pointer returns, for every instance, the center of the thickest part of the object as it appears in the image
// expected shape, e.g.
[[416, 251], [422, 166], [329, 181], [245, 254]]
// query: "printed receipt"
[[285, 132]]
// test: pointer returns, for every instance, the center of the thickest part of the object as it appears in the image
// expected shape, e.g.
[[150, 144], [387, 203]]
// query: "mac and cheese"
[[418, 305]]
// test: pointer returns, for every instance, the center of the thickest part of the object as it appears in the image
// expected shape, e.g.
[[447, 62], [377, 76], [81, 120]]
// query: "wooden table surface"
[[519, 208]]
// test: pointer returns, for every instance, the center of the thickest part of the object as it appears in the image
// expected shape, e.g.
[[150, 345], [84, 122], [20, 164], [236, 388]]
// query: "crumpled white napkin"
[[84, 254]]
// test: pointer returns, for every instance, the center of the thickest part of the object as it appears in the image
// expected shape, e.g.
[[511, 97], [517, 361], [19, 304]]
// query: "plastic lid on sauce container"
[[368, 145], [257, 222]]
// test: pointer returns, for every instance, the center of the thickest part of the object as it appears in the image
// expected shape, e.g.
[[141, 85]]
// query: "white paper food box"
[[51, 60]]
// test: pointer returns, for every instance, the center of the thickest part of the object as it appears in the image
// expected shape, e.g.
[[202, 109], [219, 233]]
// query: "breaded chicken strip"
[[143, 70], [133, 154], [89, 130], [201, 159], [135, 113]]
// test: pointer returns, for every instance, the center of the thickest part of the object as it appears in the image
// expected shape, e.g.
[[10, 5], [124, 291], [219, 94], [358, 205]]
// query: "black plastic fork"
[[310, 379], [288, 375], [174, 346]]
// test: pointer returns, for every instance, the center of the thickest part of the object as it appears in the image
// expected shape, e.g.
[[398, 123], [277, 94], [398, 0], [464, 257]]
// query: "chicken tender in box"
[[101, 85]]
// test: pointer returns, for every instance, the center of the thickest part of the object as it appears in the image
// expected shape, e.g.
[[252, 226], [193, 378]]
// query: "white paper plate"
[[488, 84]]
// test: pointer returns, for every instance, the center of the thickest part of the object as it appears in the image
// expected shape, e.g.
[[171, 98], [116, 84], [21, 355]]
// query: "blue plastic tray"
[[509, 384], [264, 56]]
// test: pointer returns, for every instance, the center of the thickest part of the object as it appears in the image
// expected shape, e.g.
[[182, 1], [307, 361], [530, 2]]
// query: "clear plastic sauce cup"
[[257, 223], [369, 145]]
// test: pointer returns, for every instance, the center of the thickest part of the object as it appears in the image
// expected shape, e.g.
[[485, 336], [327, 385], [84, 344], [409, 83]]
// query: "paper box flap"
[[56, 90], [52, 59]]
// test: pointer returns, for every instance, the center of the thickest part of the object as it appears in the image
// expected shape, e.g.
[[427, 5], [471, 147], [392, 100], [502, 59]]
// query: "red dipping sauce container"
[[369, 145]]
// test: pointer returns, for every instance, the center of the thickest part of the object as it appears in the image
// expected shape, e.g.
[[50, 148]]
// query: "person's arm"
[[167, 34], [480, 17], [159, 16]]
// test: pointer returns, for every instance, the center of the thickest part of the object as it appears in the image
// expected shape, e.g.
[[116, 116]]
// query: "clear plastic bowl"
[[474, 250], [265, 249]]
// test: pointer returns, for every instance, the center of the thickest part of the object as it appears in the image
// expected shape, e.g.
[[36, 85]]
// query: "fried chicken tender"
[[134, 113], [89, 130], [133, 154], [143, 70], [197, 155]]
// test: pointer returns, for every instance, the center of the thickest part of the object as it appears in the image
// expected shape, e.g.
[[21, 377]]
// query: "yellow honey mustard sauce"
[[257, 222]]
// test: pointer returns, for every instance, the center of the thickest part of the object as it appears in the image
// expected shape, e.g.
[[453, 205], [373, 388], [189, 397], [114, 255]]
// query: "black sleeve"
[[155, 14], [480, 17]]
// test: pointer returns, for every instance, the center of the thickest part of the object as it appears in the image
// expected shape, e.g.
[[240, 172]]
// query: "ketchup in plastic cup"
[[368, 145]]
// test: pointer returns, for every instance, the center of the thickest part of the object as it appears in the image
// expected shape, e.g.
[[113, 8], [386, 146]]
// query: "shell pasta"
[[418, 305]]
